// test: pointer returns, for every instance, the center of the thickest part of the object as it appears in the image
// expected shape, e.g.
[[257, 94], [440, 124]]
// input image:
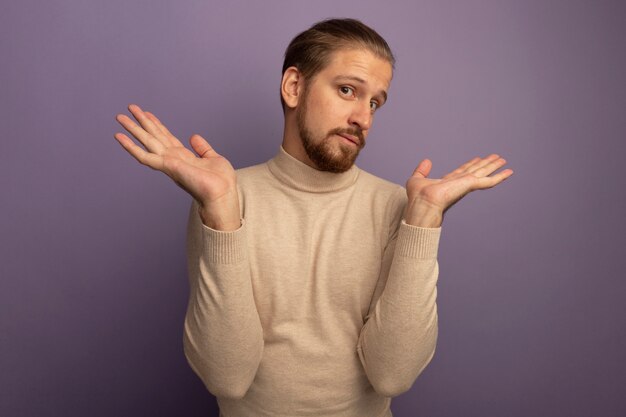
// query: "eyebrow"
[[360, 81]]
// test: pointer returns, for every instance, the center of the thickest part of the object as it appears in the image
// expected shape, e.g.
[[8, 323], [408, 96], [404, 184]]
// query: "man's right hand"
[[208, 177]]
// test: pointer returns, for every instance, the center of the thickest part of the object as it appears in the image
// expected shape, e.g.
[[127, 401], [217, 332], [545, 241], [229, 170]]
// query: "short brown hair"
[[311, 50]]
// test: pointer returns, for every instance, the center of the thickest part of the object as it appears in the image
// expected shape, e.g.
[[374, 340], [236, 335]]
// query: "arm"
[[399, 337], [223, 338]]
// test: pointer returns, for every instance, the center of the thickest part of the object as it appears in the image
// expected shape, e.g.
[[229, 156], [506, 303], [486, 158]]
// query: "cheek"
[[318, 105], [331, 111], [326, 111], [317, 114]]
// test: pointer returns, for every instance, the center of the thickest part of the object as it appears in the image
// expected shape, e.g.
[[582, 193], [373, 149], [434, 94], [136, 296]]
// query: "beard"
[[321, 152]]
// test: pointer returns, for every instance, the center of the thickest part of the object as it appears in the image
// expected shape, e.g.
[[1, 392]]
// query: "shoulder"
[[382, 188], [251, 170], [387, 198], [253, 174]]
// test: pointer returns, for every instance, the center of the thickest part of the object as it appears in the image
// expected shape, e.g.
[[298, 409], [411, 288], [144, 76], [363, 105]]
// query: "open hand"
[[207, 176], [430, 198]]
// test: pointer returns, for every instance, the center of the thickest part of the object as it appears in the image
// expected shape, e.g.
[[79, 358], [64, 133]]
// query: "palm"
[[207, 176], [443, 193]]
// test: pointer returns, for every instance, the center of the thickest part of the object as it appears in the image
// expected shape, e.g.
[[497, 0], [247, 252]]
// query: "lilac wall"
[[93, 285]]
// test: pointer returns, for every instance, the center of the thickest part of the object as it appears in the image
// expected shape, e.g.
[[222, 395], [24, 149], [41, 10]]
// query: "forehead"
[[362, 64]]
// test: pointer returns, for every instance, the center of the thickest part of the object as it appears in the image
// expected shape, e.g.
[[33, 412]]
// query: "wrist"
[[221, 224], [223, 215], [423, 214]]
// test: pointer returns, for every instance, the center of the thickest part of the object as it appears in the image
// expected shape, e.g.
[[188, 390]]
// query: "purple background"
[[93, 281]]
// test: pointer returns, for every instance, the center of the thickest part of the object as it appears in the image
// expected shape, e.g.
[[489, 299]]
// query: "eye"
[[373, 106], [346, 91]]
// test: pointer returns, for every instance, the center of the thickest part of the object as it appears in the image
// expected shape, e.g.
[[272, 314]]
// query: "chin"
[[336, 162]]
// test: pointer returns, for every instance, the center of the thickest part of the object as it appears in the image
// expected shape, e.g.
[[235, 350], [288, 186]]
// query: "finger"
[[202, 147], [483, 162], [462, 168], [488, 182], [490, 168], [145, 158], [423, 168], [164, 130], [157, 122], [148, 124], [146, 139]]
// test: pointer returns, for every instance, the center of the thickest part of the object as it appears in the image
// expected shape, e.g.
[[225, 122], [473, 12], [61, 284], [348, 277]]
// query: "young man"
[[313, 283]]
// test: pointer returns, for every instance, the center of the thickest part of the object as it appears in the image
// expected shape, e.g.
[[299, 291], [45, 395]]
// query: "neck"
[[298, 175]]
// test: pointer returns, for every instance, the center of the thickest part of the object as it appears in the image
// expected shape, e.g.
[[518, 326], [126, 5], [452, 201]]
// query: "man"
[[312, 282]]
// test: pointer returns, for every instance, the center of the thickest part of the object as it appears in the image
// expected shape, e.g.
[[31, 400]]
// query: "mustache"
[[353, 132]]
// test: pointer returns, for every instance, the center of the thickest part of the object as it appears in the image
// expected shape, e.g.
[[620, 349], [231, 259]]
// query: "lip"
[[351, 138]]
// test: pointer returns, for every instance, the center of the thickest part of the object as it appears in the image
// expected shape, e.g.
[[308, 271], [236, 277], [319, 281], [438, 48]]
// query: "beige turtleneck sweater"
[[321, 304]]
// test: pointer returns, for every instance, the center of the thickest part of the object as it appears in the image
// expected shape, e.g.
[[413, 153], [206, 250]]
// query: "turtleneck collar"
[[300, 176]]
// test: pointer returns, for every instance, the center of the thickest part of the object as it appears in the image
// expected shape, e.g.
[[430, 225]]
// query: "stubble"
[[322, 153]]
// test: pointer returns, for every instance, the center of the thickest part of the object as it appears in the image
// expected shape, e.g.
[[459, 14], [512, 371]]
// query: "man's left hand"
[[430, 198]]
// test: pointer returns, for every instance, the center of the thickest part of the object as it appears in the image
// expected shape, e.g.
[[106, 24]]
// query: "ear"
[[291, 86]]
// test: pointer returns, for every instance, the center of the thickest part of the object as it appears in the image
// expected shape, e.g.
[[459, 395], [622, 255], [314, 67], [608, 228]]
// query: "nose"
[[361, 115]]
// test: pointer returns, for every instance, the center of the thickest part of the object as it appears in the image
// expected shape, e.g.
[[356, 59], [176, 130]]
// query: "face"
[[337, 107]]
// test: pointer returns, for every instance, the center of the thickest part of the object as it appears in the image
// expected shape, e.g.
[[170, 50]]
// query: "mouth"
[[350, 139]]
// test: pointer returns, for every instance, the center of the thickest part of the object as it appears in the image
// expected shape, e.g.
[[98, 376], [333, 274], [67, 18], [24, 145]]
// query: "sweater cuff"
[[224, 247], [417, 242]]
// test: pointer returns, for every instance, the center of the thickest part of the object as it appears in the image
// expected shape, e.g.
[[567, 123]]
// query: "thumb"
[[201, 146], [423, 169]]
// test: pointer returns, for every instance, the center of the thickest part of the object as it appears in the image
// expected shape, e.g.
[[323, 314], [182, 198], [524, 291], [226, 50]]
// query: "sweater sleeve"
[[223, 337], [399, 336]]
